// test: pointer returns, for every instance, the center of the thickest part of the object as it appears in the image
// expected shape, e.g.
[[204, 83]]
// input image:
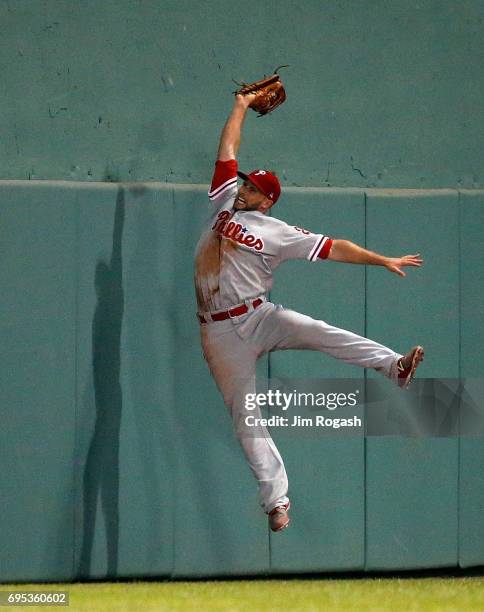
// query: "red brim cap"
[[266, 182]]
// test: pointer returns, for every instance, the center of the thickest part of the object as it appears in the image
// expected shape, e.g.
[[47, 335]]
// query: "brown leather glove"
[[269, 93]]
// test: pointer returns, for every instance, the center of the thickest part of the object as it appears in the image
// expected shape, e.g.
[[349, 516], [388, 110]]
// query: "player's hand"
[[395, 264], [244, 100]]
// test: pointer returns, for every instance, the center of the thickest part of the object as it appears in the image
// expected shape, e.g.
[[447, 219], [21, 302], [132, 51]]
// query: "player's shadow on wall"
[[101, 473]]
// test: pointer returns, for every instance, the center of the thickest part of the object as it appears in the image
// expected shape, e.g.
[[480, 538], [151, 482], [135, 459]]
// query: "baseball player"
[[236, 256]]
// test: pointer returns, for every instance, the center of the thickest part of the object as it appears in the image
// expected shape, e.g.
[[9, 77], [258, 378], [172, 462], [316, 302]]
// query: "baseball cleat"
[[279, 517], [407, 365]]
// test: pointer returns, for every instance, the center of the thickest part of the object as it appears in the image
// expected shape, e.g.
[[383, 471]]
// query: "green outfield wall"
[[117, 454], [380, 94]]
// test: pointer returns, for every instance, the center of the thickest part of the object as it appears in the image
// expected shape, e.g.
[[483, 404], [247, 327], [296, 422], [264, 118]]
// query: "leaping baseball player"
[[236, 256]]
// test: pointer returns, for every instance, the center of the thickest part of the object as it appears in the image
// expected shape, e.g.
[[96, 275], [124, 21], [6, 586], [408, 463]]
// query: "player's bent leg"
[[292, 330], [232, 364]]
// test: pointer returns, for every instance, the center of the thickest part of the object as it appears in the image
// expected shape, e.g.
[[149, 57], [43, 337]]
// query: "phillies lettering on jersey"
[[236, 231]]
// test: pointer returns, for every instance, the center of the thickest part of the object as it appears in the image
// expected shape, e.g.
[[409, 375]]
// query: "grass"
[[439, 594]]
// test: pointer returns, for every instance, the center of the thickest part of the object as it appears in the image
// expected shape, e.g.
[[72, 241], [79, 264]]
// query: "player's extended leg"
[[287, 329], [232, 362]]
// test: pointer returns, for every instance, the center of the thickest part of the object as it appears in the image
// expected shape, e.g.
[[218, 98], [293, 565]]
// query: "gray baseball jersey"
[[239, 250]]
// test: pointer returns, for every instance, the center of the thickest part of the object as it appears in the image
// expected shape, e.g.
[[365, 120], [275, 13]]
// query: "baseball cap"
[[265, 181]]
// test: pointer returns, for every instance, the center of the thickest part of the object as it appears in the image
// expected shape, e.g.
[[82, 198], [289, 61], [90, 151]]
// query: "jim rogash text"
[[318, 420]]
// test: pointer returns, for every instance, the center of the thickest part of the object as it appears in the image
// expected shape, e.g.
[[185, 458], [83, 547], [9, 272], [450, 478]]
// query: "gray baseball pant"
[[231, 349]]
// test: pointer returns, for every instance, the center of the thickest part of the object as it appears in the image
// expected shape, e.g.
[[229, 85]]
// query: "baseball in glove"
[[269, 93]]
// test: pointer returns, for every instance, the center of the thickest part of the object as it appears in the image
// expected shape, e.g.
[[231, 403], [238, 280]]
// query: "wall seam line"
[[365, 381], [76, 383], [459, 315], [174, 487]]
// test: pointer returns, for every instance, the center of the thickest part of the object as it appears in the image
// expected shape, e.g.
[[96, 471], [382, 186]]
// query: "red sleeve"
[[325, 249], [224, 178]]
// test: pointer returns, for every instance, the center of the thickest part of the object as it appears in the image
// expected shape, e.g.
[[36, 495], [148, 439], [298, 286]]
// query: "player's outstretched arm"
[[231, 133], [349, 252]]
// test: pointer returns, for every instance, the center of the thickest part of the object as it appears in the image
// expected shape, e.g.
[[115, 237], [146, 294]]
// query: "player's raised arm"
[[231, 133], [348, 252]]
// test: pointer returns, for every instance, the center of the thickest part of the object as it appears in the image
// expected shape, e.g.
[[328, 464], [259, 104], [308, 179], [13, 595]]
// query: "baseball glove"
[[269, 93]]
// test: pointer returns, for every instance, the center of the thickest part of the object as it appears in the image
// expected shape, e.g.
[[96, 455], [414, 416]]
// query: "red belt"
[[233, 312]]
